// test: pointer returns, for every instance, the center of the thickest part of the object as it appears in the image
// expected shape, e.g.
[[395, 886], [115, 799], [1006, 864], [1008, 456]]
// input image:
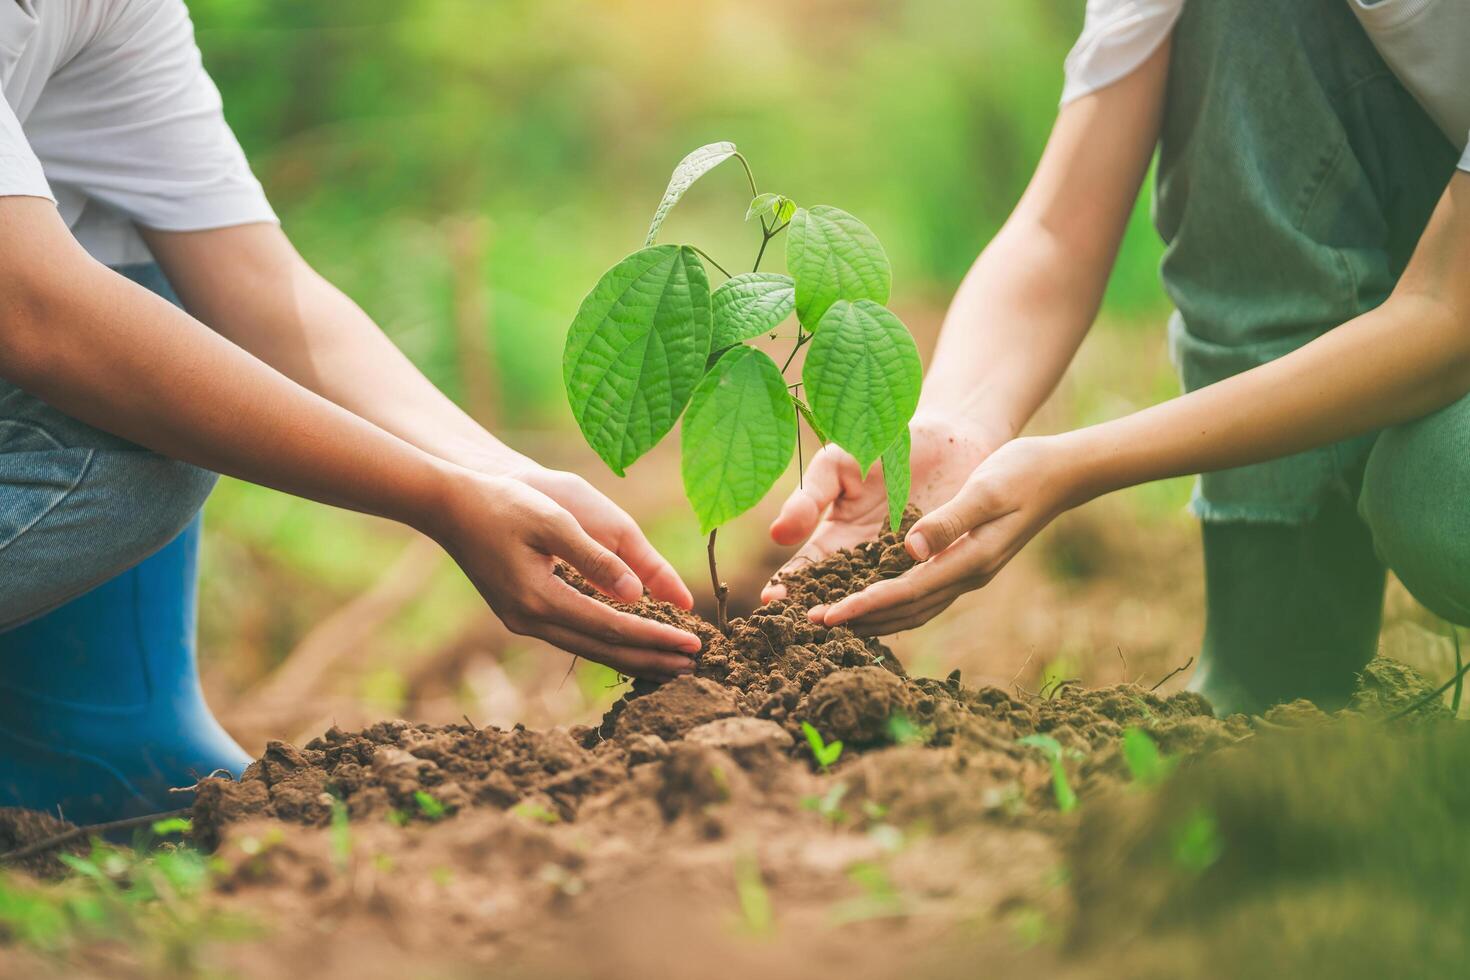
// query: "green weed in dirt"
[[826, 753], [1066, 797], [1146, 764], [652, 342], [149, 902]]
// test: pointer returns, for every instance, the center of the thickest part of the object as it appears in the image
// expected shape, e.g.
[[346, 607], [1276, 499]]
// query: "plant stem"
[[711, 260], [722, 591], [748, 175], [765, 240], [801, 339]]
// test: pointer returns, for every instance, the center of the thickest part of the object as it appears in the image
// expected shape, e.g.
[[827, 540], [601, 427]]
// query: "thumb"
[[944, 525], [606, 571], [819, 489]]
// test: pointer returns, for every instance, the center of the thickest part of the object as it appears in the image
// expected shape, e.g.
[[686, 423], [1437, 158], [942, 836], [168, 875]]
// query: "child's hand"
[[507, 536], [836, 508], [961, 546]]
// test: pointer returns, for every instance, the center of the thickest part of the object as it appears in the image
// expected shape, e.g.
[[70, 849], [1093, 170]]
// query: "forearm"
[[269, 301], [1401, 361], [1398, 362], [114, 355], [1012, 329]]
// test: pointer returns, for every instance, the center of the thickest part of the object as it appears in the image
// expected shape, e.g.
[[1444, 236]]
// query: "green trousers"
[[1293, 611], [1295, 176]]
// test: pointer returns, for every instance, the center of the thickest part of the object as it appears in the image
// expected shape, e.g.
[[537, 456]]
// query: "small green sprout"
[[1196, 842], [905, 731], [527, 810], [1061, 787], [880, 898], [755, 900], [1146, 764], [341, 836], [171, 826], [826, 753], [829, 804], [429, 806], [398, 818]]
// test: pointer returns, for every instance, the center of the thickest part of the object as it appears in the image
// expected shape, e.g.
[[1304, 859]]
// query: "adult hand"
[[837, 508], [961, 545], [506, 535]]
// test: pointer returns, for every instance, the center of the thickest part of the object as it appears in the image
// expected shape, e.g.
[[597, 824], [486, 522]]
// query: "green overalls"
[[1295, 176]]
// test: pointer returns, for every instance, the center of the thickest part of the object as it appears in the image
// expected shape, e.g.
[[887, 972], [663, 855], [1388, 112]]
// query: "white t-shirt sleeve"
[[1117, 36], [20, 171], [135, 122]]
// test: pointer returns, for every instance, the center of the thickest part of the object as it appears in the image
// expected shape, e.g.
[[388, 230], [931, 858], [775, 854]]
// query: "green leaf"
[[762, 205], [690, 169], [749, 305], [834, 256], [785, 210], [896, 477], [1146, 764], [811, 420], [738, 436], [172, 825], [636, 350], [862, 377]]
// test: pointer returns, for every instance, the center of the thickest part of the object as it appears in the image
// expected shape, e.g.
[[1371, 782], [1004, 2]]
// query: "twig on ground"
[[1177, 670], [66, 837]]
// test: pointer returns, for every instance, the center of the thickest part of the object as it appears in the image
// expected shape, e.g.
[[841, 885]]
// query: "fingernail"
[[629, 589], [692, 644], [918, 547]]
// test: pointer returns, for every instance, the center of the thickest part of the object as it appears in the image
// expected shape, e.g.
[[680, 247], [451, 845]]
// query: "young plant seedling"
[[653, 342], [1061, 787], [1146, 764], [826, 753], [429, 805]]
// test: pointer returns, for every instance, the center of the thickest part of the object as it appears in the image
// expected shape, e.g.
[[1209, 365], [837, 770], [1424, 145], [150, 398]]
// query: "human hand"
[[962, 545], [836, 508], [506, 535]]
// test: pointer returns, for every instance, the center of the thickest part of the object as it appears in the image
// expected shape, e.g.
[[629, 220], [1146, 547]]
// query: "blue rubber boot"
[[101, 712]]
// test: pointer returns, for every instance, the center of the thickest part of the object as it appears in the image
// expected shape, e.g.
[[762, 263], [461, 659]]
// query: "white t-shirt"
[[1425, 42], [105, 108]]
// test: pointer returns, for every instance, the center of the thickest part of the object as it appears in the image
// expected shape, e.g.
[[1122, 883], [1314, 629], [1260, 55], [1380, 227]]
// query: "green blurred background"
[[465, 169]]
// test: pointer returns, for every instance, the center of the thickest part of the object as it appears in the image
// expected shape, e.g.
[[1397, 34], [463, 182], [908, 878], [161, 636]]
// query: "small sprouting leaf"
[[172, 825], [1066, 797], [834, 256], [896, 477], [750, 304], [862, 377], [429, 805], [738, 436], [762, 205], [636, 350], [690, 169], [1141, 755], [785, 210], [825, 753], [811, 420]]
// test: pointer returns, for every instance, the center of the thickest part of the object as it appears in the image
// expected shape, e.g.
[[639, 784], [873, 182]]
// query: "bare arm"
[[250, 284], [1015, 322], [1021, 312], [1403, 360], [112, 354]]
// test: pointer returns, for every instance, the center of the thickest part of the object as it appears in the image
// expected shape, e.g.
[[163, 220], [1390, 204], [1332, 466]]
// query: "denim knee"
[[96, 513], [1416, 503]]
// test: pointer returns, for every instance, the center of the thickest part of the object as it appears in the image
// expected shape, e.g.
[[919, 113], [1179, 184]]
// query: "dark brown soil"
[[19, 828], [692, 825]]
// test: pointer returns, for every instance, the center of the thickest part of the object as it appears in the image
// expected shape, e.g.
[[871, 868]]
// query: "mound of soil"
[[692, 826], [747, 699]]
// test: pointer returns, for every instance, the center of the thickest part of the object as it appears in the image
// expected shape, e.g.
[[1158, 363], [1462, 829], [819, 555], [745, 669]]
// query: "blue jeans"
[[77, 505]]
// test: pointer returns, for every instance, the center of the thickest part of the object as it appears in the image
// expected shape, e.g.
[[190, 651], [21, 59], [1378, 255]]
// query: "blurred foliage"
[[558, 120]]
